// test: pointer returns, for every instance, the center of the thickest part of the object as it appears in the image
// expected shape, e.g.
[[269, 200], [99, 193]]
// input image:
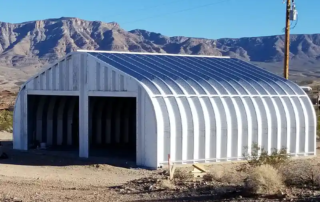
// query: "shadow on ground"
[[36, 157], [229, 196], [210, 198]]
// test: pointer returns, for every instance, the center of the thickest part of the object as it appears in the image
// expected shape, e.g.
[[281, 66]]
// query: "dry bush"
[[263, 179], [209, 177], [230, 177], [182, 175], [300, 173], [6, 121], [213, 176], [259, 156]]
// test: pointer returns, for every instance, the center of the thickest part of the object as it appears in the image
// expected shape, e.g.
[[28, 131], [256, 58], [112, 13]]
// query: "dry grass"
[[228, 177], [182, 175], [233, 177], [264, 179], [209, 177], [301, 173]]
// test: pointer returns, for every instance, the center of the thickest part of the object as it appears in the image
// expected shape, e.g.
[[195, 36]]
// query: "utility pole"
[[287, 41]]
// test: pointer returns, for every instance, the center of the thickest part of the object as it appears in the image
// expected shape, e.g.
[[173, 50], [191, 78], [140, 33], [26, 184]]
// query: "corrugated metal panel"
[[209, 109], [195, 108], [61, 76]]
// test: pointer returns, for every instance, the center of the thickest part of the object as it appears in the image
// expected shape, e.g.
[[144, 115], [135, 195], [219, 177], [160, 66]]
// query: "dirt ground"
[[27, 176], [33, 177]]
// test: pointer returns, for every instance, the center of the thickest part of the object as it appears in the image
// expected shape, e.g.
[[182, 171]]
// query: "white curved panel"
[[205, 108], [17, 124]]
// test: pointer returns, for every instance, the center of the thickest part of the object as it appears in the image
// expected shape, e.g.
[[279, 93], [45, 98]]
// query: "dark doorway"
[[53, 120], [112, 127]]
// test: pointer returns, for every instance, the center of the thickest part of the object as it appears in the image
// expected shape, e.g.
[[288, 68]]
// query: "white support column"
[[83, 107]]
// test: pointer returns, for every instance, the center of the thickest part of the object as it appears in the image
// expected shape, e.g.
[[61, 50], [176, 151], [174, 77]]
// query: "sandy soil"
[[27, 176], [31, 177]]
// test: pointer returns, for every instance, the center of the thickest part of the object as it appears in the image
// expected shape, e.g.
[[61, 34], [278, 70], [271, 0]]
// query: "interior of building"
[[54, 120]]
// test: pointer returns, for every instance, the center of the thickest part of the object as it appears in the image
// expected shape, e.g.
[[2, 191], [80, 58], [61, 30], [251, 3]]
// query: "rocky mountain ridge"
[[37, 42]]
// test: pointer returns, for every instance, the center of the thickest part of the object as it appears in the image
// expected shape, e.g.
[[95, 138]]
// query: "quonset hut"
[[195, 108]]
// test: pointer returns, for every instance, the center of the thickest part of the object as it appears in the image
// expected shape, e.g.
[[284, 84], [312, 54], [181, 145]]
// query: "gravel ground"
[[26, 176]]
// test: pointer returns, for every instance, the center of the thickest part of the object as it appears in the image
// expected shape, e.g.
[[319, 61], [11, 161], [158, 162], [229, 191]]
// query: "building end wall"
[[146, 131]]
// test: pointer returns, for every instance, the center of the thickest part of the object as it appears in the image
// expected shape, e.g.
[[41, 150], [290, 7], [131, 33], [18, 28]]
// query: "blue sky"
[[194, 18]]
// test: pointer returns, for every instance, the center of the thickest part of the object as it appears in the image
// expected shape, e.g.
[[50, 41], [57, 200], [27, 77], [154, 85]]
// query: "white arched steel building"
[[195, 108]]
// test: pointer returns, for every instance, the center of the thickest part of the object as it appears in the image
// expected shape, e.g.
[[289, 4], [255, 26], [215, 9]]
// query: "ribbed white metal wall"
[[81, 75], [196, 108], [209, 109]]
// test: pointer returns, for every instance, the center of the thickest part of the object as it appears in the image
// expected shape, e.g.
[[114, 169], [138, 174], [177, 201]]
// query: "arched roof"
[[165, 74], [222, 103]]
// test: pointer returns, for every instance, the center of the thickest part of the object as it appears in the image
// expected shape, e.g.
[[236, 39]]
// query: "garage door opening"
[[53, 120], [112, 127]]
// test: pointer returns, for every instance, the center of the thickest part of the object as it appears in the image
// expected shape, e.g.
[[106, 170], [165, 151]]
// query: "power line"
[[180, 11]]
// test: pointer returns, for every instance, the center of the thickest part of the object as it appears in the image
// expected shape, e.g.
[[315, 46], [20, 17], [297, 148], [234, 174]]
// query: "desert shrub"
[[263, 179], [300, 173], [230, 177], [259, 156], [182, 175], [209, 177], [6, 121]]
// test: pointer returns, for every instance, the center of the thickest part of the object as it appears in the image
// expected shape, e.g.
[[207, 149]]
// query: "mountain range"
[[26, 47]]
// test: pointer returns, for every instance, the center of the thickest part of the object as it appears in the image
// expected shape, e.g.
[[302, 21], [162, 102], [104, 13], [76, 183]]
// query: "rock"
[[16, 199]]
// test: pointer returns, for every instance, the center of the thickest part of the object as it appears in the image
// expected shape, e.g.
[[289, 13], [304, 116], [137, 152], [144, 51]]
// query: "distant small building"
[[306, 88]]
